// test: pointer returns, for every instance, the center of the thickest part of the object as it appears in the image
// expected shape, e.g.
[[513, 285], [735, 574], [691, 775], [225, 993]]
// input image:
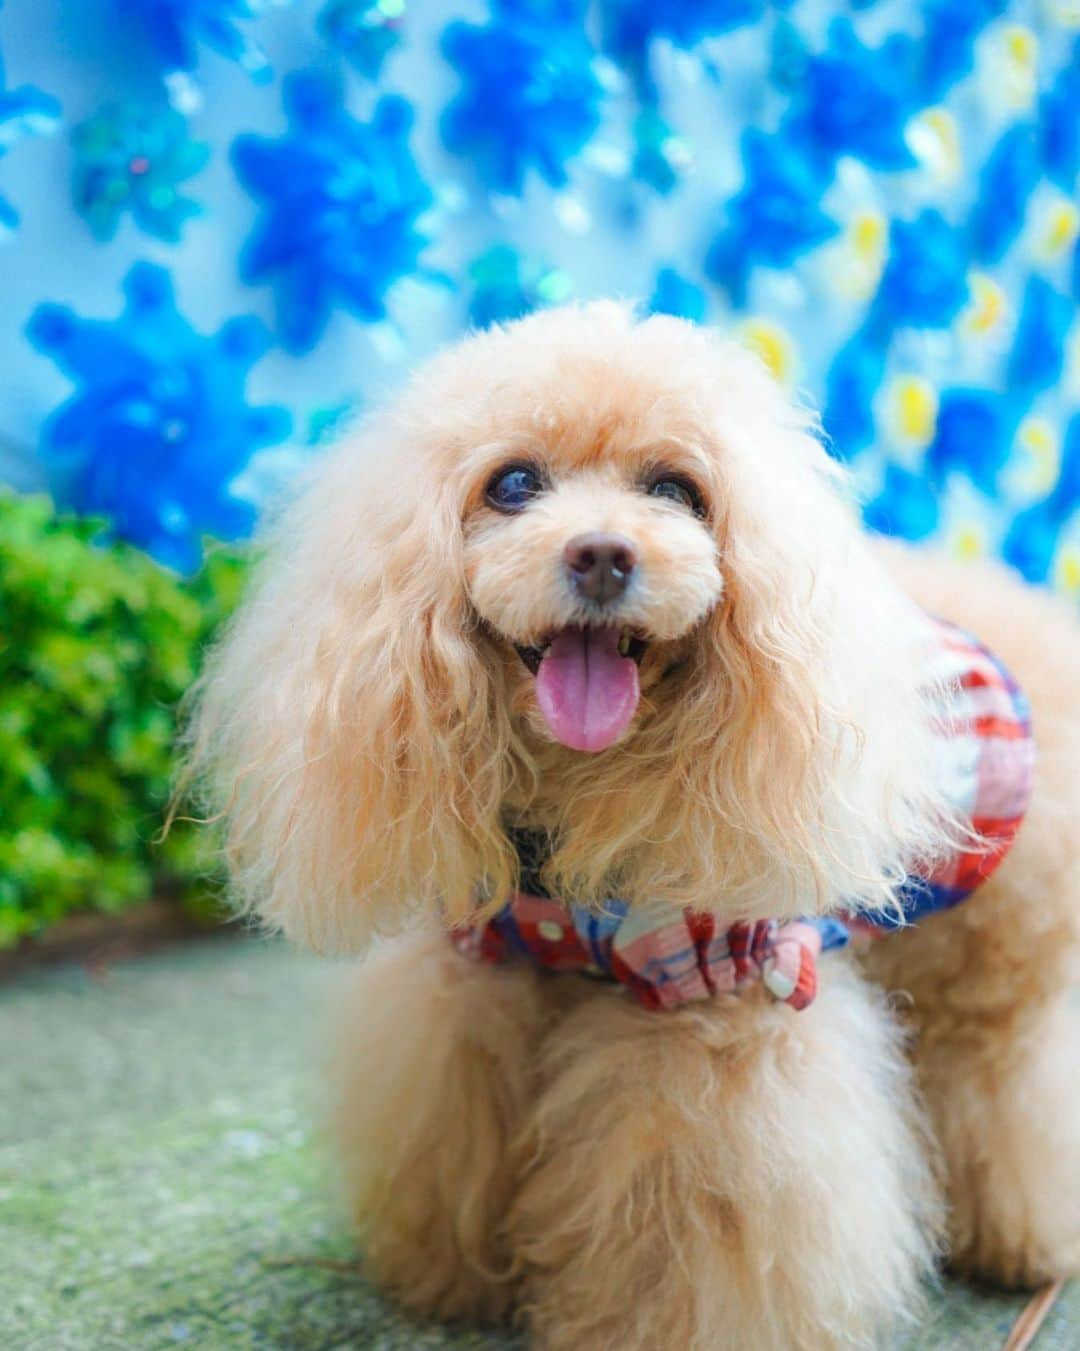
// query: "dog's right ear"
[[346, 727]]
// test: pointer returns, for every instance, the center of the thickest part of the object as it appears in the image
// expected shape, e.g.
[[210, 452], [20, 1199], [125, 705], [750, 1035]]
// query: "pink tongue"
[[587, 692]]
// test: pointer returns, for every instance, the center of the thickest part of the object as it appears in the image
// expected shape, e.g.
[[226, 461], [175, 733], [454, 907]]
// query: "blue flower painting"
[[882, 199]]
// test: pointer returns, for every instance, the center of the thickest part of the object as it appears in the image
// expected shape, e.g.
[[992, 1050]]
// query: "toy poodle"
[[715, 867]]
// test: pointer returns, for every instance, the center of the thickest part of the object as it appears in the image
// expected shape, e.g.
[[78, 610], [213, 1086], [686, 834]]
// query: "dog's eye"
[[514, 488], [678, 490]]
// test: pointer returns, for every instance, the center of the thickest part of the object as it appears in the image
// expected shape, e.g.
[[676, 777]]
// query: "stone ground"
[[162, 1183]]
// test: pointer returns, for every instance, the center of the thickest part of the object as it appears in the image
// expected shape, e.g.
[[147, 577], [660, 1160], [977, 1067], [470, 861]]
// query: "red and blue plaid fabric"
[[669, 958], [665, 960], [987, 767]]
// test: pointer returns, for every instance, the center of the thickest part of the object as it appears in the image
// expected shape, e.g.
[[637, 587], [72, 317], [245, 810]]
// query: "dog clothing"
[[667, 959]]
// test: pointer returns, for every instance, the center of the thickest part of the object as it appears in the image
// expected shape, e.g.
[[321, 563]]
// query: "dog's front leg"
[[435, 1070], [732, 1175]]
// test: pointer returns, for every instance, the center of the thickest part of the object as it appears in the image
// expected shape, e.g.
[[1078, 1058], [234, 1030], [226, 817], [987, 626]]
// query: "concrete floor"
[[162, 1184]]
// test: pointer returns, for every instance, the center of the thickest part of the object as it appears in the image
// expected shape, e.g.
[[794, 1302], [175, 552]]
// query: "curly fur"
[[360, 719], [369, 732]]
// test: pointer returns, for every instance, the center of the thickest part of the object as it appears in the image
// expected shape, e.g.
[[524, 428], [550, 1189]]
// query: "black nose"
[[600, 566]]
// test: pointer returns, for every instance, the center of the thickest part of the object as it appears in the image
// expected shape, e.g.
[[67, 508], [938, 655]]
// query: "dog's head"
[[591, 546], [590, 574]]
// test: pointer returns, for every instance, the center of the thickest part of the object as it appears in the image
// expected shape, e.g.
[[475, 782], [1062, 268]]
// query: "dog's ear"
[[823, 743], [346, 727]]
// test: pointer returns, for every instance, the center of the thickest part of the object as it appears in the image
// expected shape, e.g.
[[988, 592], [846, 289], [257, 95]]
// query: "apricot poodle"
[[763, 897]]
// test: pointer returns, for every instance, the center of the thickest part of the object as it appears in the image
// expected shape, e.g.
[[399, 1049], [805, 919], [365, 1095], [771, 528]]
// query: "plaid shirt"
[[668, 958]]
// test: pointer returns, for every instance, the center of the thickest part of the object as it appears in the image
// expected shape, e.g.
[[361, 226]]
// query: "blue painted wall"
[[229, 224]]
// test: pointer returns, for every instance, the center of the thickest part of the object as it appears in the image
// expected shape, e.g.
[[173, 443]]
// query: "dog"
[[585, 619]]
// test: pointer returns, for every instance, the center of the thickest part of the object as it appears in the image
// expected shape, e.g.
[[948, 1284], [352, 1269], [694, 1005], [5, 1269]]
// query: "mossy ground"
[[162, 1183]]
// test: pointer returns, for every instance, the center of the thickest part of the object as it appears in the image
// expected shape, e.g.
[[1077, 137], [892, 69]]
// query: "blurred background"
[[230, 226]]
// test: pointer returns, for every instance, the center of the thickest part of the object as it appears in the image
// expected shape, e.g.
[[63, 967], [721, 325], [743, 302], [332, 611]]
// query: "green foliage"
[[97, 646]]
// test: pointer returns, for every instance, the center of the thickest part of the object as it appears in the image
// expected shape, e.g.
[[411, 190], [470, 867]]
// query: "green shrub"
[[97, 646]]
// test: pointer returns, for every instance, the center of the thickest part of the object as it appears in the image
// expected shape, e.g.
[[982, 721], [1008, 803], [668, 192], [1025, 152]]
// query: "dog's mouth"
[[587, 683]]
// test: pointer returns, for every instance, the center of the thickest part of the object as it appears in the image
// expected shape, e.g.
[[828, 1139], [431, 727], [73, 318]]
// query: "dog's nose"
[[600, 565]]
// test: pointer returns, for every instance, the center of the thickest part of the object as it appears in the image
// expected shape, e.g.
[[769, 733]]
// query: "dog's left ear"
[[823, 746], [347, 727]]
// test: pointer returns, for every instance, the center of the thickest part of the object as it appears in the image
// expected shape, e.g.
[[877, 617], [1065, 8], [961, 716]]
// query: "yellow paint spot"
[[1039, 441], [1022, 45], [1058, 229], [1020, 52], [968, 542], [1067, 570], [914, 405], [773, 344], [868, 234], [860, 256], [987, 306]]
